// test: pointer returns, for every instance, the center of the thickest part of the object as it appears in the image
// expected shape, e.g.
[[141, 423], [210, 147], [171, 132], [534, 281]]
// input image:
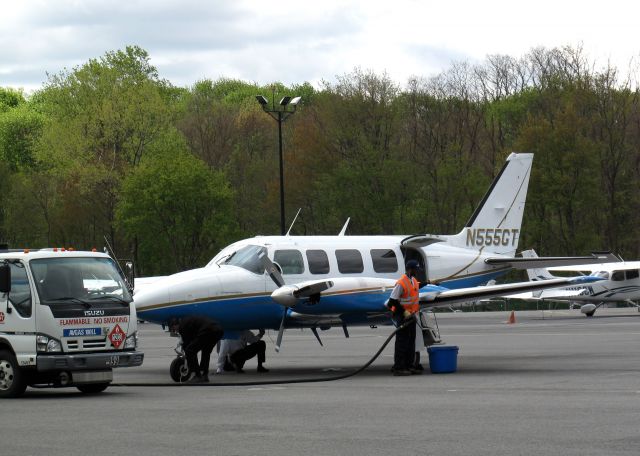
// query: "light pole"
[[280, 113]]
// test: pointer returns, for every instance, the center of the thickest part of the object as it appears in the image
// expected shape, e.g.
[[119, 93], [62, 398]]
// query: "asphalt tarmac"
[[552, 384]]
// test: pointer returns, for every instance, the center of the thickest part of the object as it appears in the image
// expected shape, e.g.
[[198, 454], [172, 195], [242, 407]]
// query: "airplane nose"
[[146, 299]]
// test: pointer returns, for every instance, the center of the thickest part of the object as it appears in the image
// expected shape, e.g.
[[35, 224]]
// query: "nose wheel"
[[179, 370]]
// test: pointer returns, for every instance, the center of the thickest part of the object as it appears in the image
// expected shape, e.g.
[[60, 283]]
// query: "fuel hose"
[[273, 382]]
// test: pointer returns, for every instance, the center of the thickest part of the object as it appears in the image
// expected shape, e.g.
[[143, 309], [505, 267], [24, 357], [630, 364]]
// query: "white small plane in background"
[[620, 283], [278, 282]]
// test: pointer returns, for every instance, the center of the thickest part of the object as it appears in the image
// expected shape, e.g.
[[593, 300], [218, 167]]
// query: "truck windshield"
[[85, 279], [248, 258]]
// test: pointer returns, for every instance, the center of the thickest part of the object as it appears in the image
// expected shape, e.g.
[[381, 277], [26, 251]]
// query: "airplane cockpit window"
[[384, 260], [247, 258], [290, 261], [318, 262], [601, 274], [632, 274], [349, 261], [617, 276]]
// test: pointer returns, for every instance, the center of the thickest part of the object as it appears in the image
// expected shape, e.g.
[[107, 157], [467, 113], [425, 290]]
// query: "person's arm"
[[249, 338], [394, 299]]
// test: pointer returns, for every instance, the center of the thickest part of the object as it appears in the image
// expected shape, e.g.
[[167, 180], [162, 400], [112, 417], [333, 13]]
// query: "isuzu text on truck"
[[66, 319]]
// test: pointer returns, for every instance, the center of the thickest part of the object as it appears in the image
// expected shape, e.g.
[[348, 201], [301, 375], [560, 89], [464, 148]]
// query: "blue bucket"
[[443, 359]]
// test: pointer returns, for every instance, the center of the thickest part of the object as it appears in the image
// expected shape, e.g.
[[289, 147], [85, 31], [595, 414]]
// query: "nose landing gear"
[[179, 370]]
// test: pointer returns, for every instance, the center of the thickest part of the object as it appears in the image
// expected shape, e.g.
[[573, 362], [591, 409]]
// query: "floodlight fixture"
[[285, 101], [295, 101], [262, 100]]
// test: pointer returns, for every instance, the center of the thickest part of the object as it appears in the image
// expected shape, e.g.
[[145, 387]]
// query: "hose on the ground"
[[275, 381]]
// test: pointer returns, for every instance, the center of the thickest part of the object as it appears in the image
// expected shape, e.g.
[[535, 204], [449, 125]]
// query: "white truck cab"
[[66, 319]]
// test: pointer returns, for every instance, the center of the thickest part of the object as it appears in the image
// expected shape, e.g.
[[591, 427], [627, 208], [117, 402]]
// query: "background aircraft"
[[620, 283], [325, 281]]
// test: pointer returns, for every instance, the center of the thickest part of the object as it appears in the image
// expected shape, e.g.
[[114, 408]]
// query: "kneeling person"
[[235, 352]]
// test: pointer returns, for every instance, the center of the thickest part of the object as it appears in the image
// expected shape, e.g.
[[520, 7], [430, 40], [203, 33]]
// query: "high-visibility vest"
[[410, 293]]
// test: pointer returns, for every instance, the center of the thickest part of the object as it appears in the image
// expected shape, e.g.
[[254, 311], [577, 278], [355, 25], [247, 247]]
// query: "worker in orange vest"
[[404, 303]]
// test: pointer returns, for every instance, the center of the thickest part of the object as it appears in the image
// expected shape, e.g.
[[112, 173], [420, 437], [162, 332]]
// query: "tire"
[[12, 381], [179, 370], [93, 388]]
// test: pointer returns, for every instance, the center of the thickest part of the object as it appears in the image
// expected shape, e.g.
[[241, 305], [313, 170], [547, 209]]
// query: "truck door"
[[17, 316], [17, 305]]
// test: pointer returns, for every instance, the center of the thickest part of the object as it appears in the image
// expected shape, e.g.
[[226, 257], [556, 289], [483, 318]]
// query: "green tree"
[[179, 211]]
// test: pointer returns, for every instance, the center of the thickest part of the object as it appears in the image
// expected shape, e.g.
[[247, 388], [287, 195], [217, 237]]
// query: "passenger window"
[[617, 276], [318, 261], [290, 261], [20, 295], [349, 261], [632, 274], [384, 260]]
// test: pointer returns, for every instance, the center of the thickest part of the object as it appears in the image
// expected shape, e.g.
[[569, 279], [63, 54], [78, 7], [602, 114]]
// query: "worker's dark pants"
[[405, 348], [205, 344], [241, 356]]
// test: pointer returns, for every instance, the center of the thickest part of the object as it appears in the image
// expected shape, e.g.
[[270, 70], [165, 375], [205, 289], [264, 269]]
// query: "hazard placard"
[[117, 336], [1, 317]]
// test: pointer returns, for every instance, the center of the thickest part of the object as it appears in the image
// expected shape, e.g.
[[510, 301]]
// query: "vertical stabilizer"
[[496, 222]]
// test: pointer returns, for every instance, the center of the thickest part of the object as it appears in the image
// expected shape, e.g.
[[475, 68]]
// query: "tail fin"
[[495, 224], [536, 274]]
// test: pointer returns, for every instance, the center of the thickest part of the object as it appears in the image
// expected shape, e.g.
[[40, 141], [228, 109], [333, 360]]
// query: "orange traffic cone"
[[512, 317]]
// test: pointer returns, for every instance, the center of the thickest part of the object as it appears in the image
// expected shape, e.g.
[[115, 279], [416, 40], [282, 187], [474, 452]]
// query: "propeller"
[[288, 295], [275, 275]]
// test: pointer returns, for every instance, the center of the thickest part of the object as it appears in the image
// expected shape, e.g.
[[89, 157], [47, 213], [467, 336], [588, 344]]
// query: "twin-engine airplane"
[[620, 282], [278, 282]]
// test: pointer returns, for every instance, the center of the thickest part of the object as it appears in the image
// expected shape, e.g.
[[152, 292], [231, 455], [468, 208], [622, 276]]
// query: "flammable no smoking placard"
[[116, 336]]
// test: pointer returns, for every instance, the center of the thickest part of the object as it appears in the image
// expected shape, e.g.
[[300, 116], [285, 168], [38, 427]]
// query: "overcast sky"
[[303, 40]]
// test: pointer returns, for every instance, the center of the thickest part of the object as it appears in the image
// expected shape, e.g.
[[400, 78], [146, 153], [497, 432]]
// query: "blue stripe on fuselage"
[[263, 312]]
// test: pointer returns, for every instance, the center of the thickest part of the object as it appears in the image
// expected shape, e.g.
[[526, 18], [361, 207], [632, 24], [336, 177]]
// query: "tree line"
[[171, 174]]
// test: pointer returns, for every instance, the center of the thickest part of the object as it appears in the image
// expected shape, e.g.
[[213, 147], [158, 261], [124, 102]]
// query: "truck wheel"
[[179, 370], [12, 382], [93, 388]]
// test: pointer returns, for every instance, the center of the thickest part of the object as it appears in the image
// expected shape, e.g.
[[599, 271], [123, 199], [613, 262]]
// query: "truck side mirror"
[[130, 274], [5, 278]]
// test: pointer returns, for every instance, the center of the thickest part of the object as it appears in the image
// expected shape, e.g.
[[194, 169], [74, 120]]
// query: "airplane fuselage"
[[234, 290]]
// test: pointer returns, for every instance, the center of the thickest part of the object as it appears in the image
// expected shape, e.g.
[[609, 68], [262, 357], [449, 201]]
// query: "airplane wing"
[[549, 262], [556, 295], [434, 296]]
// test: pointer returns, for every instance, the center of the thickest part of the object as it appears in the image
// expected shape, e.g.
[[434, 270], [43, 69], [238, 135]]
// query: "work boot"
[[415, 371], [401, 372], [262, 369], [418, 367], [195, 379]]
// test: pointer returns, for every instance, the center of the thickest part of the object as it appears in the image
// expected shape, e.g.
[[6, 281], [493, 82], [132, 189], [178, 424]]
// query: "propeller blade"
[[281, 331], [314, 330], [310, 290], [271, 269]]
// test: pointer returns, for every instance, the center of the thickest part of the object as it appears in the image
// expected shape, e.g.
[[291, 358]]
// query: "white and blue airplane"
[[278, 282], [620, 282]]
